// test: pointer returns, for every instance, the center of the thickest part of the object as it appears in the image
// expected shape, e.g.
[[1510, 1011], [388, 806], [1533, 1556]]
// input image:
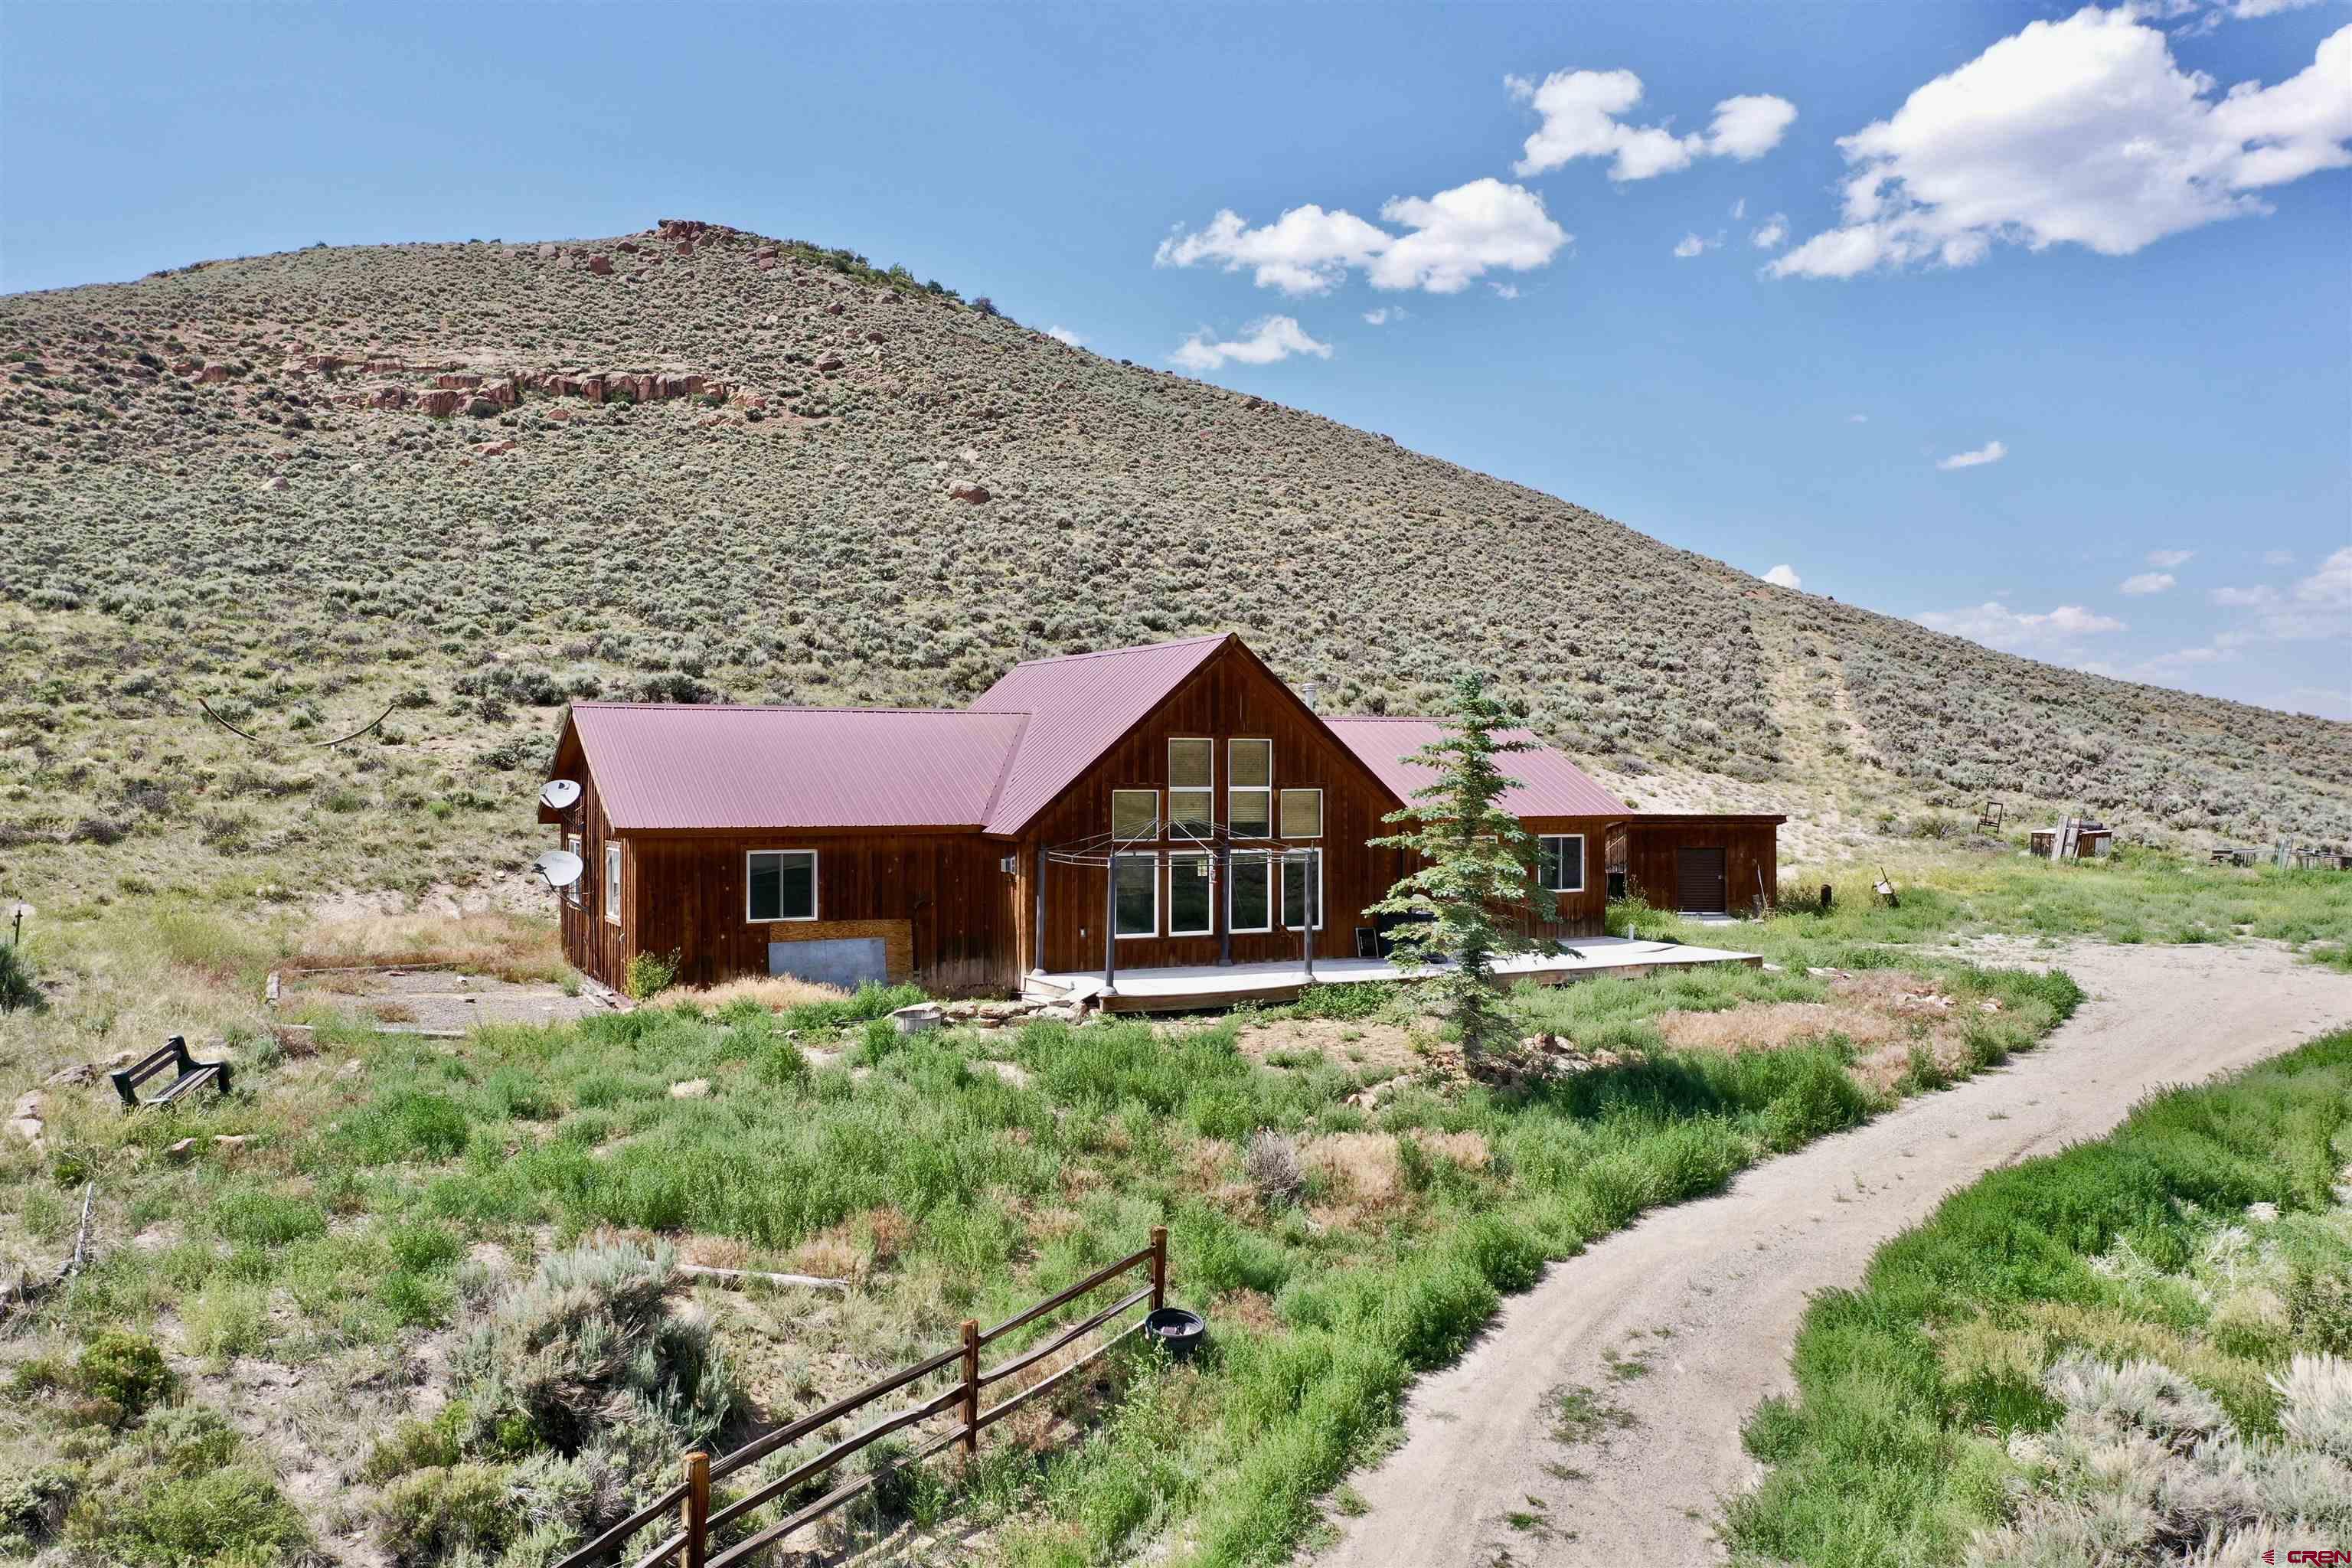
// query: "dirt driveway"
[[1675, 1327]]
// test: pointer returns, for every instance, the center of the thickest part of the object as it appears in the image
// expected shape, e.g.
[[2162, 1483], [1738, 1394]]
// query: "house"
[[1697, 862], [1129, 811]]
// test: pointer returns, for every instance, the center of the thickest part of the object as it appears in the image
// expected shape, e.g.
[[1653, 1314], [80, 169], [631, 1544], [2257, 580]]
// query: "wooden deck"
[[1184, 989]]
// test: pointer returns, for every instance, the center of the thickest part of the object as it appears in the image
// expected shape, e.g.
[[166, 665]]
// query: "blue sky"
[[2072, 253]]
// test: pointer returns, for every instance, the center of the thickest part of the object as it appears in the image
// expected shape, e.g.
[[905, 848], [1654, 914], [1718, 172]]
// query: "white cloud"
[[2148, 583], [1995, 624], [1739, 210], [2330, 587], [1505, 290], [1990, 452], [2167, 559], [1384, 315], [1450, 238], [1063, 334], [1773, 234], [1691, 245], [1785, 576], [2260, 597], [1262, 342], [2278, 557], [1857, 418], [2081, 131], [1580, 110], [2250, 10]]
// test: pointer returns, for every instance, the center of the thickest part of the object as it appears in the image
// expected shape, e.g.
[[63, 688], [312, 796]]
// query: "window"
[[1302, 892], [779, 885], [1191, 788], [1248, 897], [1302, 814], [1559, 862], [1249, 771], [571, 889], [1135, 895], [1191, 896], [612, 883], [1135, 814]]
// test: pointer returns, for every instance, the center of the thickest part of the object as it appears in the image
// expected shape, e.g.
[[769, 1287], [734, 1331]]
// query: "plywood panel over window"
[[1134, 813]]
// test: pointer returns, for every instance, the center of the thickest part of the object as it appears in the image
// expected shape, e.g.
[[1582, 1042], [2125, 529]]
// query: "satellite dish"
[[559, 868], [559, 793]]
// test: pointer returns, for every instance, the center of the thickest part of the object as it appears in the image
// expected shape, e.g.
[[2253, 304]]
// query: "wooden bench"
[[191, 1075]]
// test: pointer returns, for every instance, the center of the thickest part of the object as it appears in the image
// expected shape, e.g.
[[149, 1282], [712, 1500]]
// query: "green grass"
[[1892, 1452]]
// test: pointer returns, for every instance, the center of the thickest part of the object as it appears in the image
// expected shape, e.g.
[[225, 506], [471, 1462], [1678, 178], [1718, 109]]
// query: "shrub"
[[125, 1370], [19, 985], [1272, 1162], [233, 1514], [650, 974]]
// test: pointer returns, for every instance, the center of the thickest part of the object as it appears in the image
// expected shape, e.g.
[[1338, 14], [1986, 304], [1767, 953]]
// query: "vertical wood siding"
[[1751, 859]]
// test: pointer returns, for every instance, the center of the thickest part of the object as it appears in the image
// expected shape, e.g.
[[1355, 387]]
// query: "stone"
[[80, 1073], [26, 1121], [691, 1089], [601, 266], [231, 1143], [549, 252], [275, 482], [835, 308], [350, 1070], [977, 495], [829, 364], [181, 1150], [496, 449]]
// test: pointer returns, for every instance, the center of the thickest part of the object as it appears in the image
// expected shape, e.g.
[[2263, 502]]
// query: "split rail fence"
[[689, 1544]]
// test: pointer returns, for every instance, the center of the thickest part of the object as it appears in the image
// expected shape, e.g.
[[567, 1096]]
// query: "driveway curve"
[[1677, 1326]]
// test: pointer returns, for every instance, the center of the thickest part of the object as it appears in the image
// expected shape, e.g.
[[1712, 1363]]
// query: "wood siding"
[[1584, 913], [591, 944], [1751, 859]]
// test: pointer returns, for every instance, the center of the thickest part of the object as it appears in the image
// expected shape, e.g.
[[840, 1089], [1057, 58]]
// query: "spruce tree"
[[1473, 875]]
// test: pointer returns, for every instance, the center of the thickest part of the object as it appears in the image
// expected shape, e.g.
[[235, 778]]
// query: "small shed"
[[1697, 862]]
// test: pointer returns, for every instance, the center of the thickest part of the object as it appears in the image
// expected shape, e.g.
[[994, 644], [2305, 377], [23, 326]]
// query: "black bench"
[[174, 1054]]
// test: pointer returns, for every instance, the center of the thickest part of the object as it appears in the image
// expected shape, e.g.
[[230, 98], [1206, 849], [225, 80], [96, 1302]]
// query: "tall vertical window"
[[1135, 895], [1249, 897], [1191, 788], [1559, 862], [1302, 892], [1134, 814], [613, 882], [779, 885], [1249, 794], [1191, 896], [1302, 814], [571, 889]]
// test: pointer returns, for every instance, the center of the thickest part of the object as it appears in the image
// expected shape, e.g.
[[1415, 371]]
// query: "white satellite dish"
[[558, 867], [559, 793]]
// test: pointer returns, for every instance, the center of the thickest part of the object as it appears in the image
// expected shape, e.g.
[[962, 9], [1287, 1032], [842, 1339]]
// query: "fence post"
[[1159, 1267], [970, 1387], [698, 1509]]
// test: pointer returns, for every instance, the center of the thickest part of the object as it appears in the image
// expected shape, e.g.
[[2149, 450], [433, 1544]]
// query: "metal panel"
[[1548, 783], [846, 962]]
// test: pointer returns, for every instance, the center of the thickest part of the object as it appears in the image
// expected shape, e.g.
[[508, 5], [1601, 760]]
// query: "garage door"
[[1698, 881]]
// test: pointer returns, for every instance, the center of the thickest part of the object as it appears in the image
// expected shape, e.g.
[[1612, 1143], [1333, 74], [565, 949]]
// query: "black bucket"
[[1176, 1331]]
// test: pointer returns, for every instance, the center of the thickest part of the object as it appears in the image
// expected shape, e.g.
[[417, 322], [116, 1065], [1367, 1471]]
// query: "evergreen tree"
[[1475, 863]]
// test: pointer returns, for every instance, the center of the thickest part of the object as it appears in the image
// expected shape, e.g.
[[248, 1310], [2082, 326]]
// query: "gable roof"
[[1078, 707], [687, 765], [1548, 783]]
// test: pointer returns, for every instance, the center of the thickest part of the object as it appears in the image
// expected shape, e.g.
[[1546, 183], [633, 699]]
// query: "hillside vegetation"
[[472, 480]]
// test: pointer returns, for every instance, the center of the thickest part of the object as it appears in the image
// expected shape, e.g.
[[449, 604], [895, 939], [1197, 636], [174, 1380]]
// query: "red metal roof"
[[1548, 783], [716, 768], [1079, 706]]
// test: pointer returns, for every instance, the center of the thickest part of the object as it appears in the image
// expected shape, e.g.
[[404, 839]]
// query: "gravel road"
[[1706, 1296]]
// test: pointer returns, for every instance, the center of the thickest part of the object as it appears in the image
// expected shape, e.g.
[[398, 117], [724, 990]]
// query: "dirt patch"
[[437, 998], [1368, 1045], [1895, 1020]]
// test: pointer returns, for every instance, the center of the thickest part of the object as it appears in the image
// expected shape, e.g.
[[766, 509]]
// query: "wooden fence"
[[689, 1544]]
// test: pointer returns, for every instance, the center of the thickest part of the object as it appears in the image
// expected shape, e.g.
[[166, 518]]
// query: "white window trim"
[[1581, 872], [1156, 823], [1265, 789], [1209, 862], [613, 881], [1272, 893], [571, 889], [1153, 934], [1313, 837], [815, 889], [1279, 912]]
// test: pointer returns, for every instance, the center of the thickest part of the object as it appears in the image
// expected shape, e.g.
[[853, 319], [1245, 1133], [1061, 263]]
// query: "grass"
[[352, 1220], [1915, 1394]]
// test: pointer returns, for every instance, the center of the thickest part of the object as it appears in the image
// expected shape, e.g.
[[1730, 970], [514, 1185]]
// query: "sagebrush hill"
[[472, 480]]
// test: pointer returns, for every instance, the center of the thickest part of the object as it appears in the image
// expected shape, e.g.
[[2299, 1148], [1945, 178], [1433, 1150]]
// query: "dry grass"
[[1361, 1168], [510, 946], [776, 993], [1772, 1026]]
